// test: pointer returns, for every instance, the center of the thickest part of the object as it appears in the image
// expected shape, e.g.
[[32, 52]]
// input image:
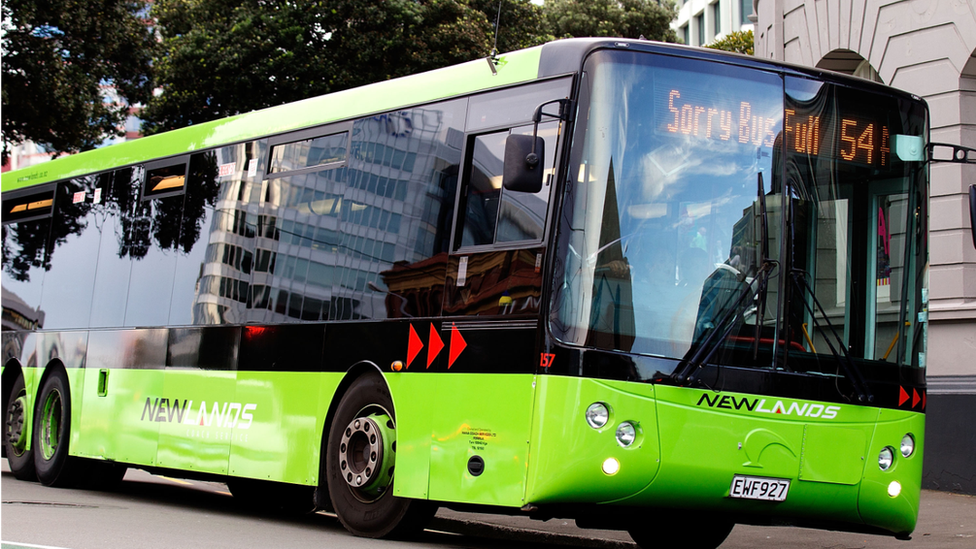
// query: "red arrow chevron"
[[436, 344], [457, 345], [414, 345]]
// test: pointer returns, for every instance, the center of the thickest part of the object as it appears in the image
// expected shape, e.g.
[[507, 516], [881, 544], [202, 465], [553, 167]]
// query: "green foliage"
[[738, 42], [224, 57], [57, 56], [623, 18], [522, 24]]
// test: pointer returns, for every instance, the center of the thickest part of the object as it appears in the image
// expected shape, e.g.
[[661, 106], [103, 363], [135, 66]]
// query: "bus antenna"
[[493, 57]]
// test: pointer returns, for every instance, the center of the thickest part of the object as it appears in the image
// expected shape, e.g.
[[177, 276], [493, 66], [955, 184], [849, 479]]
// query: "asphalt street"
[[946, 520]]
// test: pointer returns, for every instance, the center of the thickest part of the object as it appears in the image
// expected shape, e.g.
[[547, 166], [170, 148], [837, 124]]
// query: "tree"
[[521, 23], [219, 58], [623, 18], [738, 42], [58, 55], [224, 57]]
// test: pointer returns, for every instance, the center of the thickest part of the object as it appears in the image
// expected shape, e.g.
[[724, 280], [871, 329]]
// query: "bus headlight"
[[626, 434], [907, 445], [597, 415], [886, 458]]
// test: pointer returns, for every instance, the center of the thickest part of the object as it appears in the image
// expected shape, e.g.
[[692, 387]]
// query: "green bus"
[[643, 286]]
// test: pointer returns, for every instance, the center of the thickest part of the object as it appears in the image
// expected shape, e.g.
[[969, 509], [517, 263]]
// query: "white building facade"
[[701, 22], [928, 48]]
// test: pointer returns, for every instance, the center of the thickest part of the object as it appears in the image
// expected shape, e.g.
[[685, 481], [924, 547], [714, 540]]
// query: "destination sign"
[[848, 138]]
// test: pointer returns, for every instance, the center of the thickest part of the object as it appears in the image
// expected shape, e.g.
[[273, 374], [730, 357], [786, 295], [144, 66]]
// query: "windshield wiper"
[[847, 366], [697, 356]]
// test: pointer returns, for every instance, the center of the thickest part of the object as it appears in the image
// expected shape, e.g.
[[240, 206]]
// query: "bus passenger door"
[[485, 383]]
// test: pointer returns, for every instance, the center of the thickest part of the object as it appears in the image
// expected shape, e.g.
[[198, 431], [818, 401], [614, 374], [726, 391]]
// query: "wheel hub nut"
[[360, 452]]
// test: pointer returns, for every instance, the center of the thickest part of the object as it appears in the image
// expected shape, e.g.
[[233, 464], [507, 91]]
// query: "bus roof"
[[554, 58], [473, 76]]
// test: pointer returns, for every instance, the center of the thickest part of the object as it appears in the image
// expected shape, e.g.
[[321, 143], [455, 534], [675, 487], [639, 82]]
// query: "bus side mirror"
[[524, 163], [972, 212]]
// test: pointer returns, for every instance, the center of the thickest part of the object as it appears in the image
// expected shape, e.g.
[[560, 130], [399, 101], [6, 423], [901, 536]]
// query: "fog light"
[[597, 415], [611, 466], [894, 488], [626, 434], [907, 445], [886, 458]]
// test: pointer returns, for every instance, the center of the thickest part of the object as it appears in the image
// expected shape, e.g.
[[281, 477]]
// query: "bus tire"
[[15, 432], [702, 534], [359, 465], [52, 431]]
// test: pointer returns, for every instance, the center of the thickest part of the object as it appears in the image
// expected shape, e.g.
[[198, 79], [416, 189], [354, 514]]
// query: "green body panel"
[[703, 447], [284, 440], [474, 76], [414, 412], [688, 452], [261, 425], [567, 455], [484, 415], [877, 508], [112, 426], [201, 441], [832, 454]]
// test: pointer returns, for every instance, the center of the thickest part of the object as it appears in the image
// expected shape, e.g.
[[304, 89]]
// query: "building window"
[[745, 9], [700, 22], [686, 34], [717, 17]]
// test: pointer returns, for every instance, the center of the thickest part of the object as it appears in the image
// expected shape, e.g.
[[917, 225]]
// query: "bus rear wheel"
[[360, 458], [665, 533], [52, 430], [19, 458]]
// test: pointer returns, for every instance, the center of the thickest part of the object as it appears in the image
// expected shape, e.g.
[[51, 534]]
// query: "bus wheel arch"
[[359, 459], [16, 423], [361, 368]]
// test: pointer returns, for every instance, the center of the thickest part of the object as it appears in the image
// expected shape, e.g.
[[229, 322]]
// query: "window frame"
[[27, 196], [146, 194], [302, 135]]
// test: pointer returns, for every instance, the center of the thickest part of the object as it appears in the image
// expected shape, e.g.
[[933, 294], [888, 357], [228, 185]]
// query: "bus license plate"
[[766, 489]]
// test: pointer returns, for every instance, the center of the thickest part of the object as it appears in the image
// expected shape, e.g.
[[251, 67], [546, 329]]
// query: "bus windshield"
[[774, 218]]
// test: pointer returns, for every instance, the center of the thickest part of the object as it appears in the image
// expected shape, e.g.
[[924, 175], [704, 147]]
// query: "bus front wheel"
[[360, 458], [19, 458]]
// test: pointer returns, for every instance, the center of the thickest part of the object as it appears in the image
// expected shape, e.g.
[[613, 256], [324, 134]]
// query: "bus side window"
[[26, 225], [72, 253], [482, 191], [494, 215]]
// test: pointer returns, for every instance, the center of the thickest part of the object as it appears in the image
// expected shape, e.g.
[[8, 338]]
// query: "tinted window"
[[307, 153], [493, 215], [223, 230], [119, 196], [198, 212], [73, 253], [24, 258]]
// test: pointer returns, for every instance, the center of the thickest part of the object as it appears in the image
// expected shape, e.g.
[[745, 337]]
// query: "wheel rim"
[[51, 426], [367, 451], [16, 434]]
